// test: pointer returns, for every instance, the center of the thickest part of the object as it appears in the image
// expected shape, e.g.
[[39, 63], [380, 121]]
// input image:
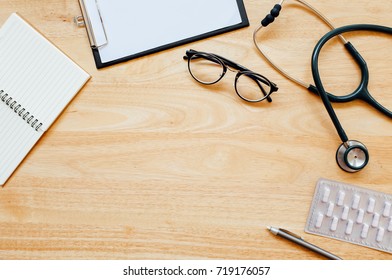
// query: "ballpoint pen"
[[298, 240]]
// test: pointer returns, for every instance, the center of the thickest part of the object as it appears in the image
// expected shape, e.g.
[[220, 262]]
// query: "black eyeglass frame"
[[226, 64]]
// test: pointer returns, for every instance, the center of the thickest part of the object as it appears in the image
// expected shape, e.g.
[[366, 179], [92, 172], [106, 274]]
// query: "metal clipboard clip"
[[92, 20]]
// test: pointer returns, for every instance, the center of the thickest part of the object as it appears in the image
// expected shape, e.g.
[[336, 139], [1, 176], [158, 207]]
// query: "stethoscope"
[[351, 155]]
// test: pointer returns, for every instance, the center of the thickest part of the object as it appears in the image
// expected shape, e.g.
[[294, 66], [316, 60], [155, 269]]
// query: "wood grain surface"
[[145, 163]]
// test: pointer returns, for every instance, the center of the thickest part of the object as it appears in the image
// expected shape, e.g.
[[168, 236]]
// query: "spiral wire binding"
[[18, 109]]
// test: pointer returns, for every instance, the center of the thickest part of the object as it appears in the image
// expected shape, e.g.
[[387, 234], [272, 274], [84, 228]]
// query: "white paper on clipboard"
[[132, 27]]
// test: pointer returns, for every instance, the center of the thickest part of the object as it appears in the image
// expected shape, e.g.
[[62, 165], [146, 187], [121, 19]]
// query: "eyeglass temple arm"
[[228, 62], [232, 64], [269, 99], [258, 80]]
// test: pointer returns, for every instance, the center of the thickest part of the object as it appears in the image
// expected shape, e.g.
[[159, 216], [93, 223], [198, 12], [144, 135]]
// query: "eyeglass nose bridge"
[[231, 69]]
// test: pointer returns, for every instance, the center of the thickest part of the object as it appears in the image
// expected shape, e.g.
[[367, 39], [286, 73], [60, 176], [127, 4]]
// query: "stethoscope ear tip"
[[352, 156]]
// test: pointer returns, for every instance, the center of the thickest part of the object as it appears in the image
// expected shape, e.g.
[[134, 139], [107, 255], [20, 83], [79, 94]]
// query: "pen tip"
[[268, 227]]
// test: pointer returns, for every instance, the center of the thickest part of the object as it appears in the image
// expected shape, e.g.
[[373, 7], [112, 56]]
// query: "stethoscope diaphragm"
[[352, 156]]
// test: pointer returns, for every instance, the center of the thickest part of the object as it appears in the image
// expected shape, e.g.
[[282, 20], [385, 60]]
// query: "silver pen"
[[298, 240]]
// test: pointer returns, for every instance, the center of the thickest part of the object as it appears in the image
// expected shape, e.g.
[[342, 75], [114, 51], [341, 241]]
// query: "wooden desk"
[[147, 164]]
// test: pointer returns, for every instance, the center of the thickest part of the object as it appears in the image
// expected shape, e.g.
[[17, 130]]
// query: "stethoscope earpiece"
[[352, 156]]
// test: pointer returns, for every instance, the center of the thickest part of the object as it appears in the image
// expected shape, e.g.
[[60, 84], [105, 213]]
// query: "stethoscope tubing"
[[365, 74]]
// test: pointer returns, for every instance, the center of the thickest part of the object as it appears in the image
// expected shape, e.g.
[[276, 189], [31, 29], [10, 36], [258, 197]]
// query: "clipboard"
[[121, 30]]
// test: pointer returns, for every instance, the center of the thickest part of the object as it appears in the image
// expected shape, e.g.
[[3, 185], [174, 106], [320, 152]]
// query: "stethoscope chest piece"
[[352, 156]]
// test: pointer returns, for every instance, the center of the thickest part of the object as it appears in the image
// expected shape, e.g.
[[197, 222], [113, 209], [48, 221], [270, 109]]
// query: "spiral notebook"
[[37, 81]]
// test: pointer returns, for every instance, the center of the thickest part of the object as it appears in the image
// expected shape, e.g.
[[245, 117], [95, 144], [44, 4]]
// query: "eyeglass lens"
[[206, 69], [252, 88]]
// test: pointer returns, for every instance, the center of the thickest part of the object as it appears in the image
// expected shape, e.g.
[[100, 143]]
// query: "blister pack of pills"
[[352, 214]]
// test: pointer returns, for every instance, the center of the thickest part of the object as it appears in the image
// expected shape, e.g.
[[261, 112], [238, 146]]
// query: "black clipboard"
[[95, 15]]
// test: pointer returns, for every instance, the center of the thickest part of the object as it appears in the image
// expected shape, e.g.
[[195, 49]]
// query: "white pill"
[[345, 213], [331, 206], [334, 224], [371, 205], [326, 193], [390, 225], [319, 220], [340, 199], [380, 234], [349, 227], [387, 209], [360, 216], [376, 220], [356, 201], [365, 231]]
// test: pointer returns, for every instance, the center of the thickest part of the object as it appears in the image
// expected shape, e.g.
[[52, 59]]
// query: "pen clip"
[[291, 233]]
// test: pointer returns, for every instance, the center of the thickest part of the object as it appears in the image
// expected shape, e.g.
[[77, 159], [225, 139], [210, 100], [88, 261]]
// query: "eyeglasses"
[[209, 68]]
